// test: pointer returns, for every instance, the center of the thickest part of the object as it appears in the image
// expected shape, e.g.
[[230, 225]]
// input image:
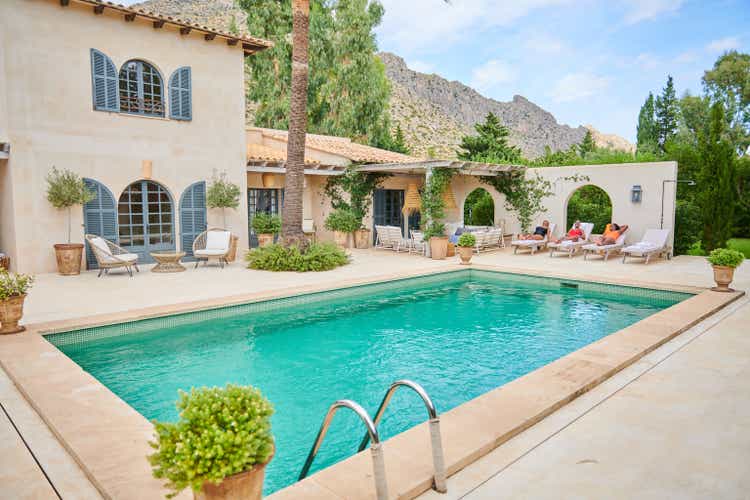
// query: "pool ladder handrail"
[[378, 464], [438, 460]]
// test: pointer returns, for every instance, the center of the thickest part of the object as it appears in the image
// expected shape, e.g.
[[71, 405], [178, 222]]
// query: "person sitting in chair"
[[611, 233], [575, 234], [539, 233]]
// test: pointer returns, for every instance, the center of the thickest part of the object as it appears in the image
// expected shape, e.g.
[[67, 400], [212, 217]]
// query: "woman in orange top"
[[611, 233]]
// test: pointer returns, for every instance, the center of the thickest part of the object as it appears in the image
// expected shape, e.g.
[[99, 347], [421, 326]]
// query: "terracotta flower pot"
[[11, 312], [342, 239], [362, 238], [246, 485], [69, 256], [465, 253], [232, 256], [438, 247], [265, 239], [723, 276]]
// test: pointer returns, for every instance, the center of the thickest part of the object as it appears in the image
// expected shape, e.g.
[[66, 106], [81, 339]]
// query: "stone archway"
[[479, 208], [589, 203]]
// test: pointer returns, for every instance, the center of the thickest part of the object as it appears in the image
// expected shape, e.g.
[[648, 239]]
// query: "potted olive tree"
[[223, 193], [466, 244], [724, 262], [65, 189], [343, 223], [266, 226], [220, 445], [13, 288]]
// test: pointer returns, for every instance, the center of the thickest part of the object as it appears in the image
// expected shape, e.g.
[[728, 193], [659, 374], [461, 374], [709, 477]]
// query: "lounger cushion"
[[210, 252], [218, 240]]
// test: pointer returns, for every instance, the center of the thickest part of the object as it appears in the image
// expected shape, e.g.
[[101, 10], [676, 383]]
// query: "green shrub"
[[343, 220], [725, 257], [687, 227], [467, 240], [317, 257], [590, 204], [434, 229], [13, 284], [221, 431], [222, 193], [264, 223]]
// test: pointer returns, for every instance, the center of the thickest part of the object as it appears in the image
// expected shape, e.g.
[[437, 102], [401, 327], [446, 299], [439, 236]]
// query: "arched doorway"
[[589, 204], [145, 217], [479, 208]]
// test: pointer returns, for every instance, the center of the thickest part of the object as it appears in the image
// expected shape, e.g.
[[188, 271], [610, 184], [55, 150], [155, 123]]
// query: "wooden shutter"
[[180, 94], [192, 216], [99, 217], [104, 79]]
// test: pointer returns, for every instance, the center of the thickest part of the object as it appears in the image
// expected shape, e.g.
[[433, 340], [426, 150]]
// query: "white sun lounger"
[[572, 247], [491, 238], [533, 245], [654, 242], [390, 238], [604, 250]]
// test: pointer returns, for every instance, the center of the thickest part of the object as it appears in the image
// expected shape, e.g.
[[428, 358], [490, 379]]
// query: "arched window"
[[141, 89]]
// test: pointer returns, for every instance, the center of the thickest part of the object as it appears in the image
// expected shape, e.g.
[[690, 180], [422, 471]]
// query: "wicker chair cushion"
[[101, 245], [123, 257], [218, 240], [210, 252]]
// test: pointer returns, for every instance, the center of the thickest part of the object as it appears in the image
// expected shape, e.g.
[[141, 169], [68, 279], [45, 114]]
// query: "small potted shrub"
[[220, 445], [266, 226], [343, 223], [223, 194], [435, 234], [362, 238], [466, 244], [724, 262], [66, 189], [13, 288]]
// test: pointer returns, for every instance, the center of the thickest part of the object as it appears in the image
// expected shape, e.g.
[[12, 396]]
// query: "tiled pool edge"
[[54, 384]]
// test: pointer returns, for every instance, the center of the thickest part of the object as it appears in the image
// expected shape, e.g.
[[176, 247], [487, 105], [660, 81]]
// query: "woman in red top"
[[575, 233]]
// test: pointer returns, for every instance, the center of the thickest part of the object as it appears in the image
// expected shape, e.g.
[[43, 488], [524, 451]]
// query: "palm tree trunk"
[[295, 153]]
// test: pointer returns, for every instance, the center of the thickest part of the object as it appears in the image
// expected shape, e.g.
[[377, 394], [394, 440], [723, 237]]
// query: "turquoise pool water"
[[459, 334]]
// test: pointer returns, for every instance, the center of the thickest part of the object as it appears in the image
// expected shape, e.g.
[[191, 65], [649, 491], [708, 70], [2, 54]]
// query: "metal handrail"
[[378, 465], [438, 460]]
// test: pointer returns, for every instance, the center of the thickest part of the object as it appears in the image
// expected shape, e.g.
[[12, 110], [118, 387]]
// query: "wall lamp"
[[636, 194]]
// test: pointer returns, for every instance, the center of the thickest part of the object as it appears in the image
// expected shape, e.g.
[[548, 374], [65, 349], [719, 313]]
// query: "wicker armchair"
[[110, 256], [214, 243]]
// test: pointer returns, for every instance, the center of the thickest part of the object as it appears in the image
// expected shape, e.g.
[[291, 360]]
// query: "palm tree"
[[291, 232]]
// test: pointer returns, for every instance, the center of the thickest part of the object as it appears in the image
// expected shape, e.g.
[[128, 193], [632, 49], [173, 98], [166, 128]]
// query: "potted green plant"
[[223, 193], [724, 262], [220, 445], [343, 223], [435, 234], [266, 226], [13, 288], [65, 189], [466, 244]]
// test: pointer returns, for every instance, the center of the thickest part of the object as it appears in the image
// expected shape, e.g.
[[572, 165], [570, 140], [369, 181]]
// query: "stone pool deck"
[[91, 300]]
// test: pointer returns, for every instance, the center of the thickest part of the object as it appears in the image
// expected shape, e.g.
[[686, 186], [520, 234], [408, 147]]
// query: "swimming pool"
[[458, 334]]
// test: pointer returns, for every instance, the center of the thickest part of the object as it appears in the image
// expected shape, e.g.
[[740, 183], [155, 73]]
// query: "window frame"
[[140, 92]]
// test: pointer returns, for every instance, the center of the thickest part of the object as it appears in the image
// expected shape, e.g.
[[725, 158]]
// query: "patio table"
[[168, 261]]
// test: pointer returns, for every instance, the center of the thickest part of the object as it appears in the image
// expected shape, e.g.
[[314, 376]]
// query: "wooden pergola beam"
[[158, 24], [64, 3], [129, 18], [232, 42], [185, 30], [98, 9], [209, 36]]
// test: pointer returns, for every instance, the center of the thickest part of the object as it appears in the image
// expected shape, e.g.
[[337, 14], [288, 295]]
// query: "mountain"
[[434, 113]]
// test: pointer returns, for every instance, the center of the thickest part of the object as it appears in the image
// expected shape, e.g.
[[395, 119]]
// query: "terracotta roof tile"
[[258, 152]]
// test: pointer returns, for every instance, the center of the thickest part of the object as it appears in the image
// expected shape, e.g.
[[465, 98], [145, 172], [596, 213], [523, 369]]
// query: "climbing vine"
[[358, 185], [433, 206]]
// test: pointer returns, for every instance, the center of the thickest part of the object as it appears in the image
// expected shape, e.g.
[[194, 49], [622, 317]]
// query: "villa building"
[[147, 109]]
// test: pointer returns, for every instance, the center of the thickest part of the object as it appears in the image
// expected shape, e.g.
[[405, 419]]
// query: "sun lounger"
[[492, 238], [390, 238], [605, 250], [572, 247], [533, 245], [654, 242], [417, 243]]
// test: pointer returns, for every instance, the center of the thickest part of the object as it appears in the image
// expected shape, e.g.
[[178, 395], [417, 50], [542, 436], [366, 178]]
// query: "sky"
[[585, 61]]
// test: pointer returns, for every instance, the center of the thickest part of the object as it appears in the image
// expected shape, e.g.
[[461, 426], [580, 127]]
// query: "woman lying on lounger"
[[539, 233], [611, 233], [575, 234]]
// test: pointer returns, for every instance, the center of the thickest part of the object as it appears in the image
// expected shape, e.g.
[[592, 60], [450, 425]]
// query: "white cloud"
[[414, 25], [687, 57], [647, 61], [576, 86], [646, 10], [543, 43], [491, 74], [421, 66], [724, 44]]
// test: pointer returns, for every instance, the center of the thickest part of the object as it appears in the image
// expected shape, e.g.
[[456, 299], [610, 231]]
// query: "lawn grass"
[[741, 244]]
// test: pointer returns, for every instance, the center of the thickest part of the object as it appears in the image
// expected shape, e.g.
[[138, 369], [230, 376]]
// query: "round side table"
[[167, 262]]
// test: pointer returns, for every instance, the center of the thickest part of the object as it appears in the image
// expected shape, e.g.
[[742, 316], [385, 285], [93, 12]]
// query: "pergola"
[[424, 167]]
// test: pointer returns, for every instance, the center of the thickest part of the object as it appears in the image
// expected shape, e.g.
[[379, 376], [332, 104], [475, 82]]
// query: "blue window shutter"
[[104, 80], [192, 216], [99, 217], [180, 94]]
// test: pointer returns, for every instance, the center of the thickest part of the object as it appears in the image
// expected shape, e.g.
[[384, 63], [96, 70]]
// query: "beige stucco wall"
[[51, 120]]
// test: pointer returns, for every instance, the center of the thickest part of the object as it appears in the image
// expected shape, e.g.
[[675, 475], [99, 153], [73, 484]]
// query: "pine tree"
[[647, 135], [667, 113], [490, 145], [718, 182], [399, 142], [587, 144]]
